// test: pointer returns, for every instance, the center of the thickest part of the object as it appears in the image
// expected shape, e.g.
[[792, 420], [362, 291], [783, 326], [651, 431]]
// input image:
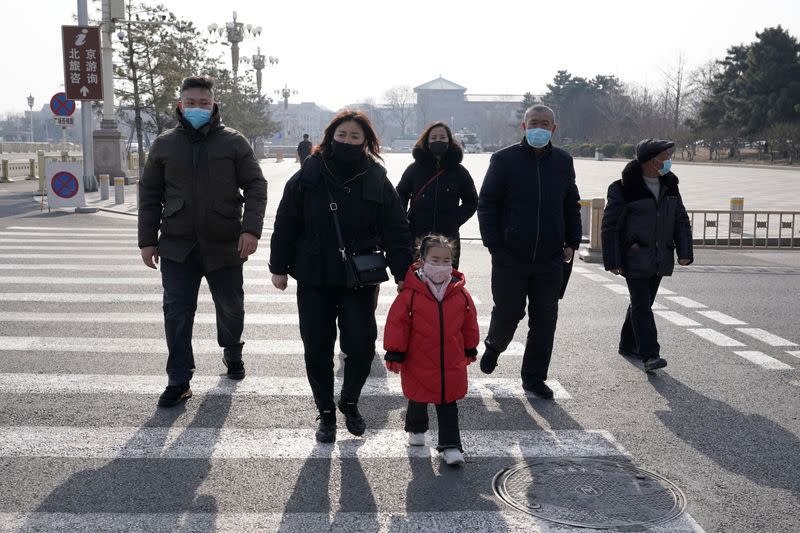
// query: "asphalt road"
[[84, 448]]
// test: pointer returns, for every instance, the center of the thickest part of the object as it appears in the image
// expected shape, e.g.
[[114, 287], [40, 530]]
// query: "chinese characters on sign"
[[82, 67]]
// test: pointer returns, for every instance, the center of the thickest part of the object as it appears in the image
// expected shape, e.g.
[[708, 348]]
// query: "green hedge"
[[628, 151]]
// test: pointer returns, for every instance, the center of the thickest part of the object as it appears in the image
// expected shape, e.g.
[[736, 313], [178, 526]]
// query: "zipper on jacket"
[[441, 347], [538, 210]]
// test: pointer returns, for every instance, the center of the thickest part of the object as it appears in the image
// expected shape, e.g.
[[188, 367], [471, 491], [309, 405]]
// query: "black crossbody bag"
[[361, 269]]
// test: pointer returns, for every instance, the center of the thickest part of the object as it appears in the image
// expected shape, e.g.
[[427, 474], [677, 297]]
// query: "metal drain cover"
[[592, 493]]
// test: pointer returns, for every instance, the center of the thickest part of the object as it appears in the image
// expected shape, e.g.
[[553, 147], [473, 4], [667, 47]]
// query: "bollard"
[[737, 218], [598, 155], [104, 194], [31, 169], [42, 170], [119, 190], [4, 172], [594, 253], [585, 216], [278, 156]]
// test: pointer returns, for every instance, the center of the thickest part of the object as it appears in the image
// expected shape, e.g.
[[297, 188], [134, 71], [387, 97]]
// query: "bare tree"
[[676, 91], [401, 100]]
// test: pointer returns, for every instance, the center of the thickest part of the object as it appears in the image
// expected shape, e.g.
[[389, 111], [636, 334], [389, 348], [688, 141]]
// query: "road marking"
[[153, 279], [686, 302], [722, 318], [619, 289], [287, 297], [715, 337], [254, 385], [674, 317], [596, 277], [70, 241], [580, 270], [795, 353], [264, 443], [304, 522], [664, 292], [71, 229], [763, 360], [658, 306], [73, 248], [766, 337], [68, 237], [256, 319]]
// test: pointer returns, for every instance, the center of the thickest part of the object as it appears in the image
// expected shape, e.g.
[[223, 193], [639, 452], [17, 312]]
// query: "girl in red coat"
[[431, 336]]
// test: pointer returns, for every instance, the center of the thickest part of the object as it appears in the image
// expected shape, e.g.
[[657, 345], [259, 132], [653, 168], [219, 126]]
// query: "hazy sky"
[[339, 52]]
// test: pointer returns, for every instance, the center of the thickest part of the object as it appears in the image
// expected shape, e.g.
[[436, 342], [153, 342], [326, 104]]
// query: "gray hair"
[[542, 109]]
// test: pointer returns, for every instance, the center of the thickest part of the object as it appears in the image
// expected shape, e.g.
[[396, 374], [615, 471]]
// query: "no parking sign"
[[64, 184]]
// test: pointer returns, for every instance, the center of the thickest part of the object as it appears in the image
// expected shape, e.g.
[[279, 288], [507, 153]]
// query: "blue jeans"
[[181, 282]]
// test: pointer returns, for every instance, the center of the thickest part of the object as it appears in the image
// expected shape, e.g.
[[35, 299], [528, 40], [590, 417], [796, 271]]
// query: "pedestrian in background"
[[437, 191], [644, 225], [530, 221], [431, 336], [338, 205], [304, 149], [190, 216]]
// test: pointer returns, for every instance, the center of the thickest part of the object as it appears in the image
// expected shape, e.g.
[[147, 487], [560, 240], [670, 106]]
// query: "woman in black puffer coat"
[[436, 190]]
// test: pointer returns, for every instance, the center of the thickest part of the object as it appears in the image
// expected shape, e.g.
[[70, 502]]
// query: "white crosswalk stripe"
[[795, 353], [615, 287], [482, 387], [722, 318], [288, 297], [677, 318], [766, 337], [715, 337], [685, 302], [763, 360]]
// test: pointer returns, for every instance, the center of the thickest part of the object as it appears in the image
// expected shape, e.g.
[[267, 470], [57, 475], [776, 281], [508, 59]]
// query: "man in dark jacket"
[[530, 221], [644, 224], [304, 148], [189, 191]]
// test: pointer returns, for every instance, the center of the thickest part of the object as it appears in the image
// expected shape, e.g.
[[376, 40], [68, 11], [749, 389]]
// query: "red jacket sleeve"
[[398, 324], [470, 329]]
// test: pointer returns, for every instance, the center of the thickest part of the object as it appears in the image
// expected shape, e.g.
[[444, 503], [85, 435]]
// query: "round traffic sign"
[[64, 184], [61, 106]]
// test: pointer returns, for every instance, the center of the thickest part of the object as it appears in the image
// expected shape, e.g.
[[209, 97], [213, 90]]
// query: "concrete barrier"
[[104, 191], [594, 253], [119, 190]]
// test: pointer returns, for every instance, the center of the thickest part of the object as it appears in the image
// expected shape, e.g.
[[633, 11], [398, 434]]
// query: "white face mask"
[[437, 273]]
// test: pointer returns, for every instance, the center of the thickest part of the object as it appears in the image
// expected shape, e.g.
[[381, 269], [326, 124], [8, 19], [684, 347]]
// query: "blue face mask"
[[197, 116], [538, 137], [666, 168]]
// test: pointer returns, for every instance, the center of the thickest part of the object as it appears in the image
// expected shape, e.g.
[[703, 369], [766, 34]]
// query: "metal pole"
[[89, 180], [108, 66]]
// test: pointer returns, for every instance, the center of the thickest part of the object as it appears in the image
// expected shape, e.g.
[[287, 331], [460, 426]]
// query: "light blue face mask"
[[666, 168], [197, 116], [538, 137]]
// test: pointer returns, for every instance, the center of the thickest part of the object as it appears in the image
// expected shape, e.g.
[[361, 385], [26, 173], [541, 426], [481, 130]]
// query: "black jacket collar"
[[539, 155], [213, 124], [633, 178], [451, 159]]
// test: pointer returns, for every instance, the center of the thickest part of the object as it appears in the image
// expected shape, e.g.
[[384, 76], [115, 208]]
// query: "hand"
[[616, 271], [280, 281], [683, 262], [247, 244], [400, 286], [569, 253], [150, 256], [472, 359], [393, 366]]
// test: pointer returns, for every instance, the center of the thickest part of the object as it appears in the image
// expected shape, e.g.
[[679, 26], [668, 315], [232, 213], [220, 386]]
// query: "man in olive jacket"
[[190, 192], [644, 225]]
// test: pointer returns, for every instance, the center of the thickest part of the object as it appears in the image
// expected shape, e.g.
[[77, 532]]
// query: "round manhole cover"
[[592, 493]]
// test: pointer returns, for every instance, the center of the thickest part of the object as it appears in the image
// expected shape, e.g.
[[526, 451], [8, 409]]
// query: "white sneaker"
[[453, 456], [416, 439]]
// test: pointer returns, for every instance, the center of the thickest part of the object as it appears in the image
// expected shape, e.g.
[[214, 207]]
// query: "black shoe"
[[629, 353], [326, 430], [235, 368], [352, 418], [174, 394], [489, 361], [654, 363], [538, 387]]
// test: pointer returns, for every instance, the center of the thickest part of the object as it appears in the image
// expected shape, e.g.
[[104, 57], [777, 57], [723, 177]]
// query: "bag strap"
[[422, 189], [334, 207]]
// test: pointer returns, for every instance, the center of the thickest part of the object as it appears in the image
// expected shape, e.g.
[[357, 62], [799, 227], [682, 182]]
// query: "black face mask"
[[347, 153], [438, 148]]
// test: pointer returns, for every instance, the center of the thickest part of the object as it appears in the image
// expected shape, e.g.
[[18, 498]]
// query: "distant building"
[[493, 117], [297, 119]]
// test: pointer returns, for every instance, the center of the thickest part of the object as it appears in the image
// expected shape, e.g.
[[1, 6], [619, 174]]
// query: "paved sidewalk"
[[128, 207]]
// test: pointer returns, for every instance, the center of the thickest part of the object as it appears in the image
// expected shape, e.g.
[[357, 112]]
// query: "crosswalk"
[[83, 447]]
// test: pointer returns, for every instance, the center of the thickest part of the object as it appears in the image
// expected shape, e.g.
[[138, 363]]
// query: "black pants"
[[446, 414], [513, 284], [181, 282], [639, 334], [319, 309]]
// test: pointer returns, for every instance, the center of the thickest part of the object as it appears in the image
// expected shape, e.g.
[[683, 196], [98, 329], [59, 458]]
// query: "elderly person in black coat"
[[644, 225], [439, 188]]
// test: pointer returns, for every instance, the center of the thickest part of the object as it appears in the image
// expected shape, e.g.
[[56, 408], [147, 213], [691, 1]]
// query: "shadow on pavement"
[[751, 445], [166, 486]]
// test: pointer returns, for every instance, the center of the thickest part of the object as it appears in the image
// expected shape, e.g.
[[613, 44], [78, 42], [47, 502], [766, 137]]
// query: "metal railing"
[[745, 229]]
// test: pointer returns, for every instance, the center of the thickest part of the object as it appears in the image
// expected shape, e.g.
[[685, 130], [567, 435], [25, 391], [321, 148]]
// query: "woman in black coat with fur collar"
[[436, 190]]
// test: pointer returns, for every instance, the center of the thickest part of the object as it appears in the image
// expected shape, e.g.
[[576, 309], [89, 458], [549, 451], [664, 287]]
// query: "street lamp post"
[[235, 32], [285, 93], [259, 61], [30, 106]]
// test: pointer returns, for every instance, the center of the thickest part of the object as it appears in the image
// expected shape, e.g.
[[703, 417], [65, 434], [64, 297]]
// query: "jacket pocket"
[[640, 262], [175, 220], [224, 221]]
